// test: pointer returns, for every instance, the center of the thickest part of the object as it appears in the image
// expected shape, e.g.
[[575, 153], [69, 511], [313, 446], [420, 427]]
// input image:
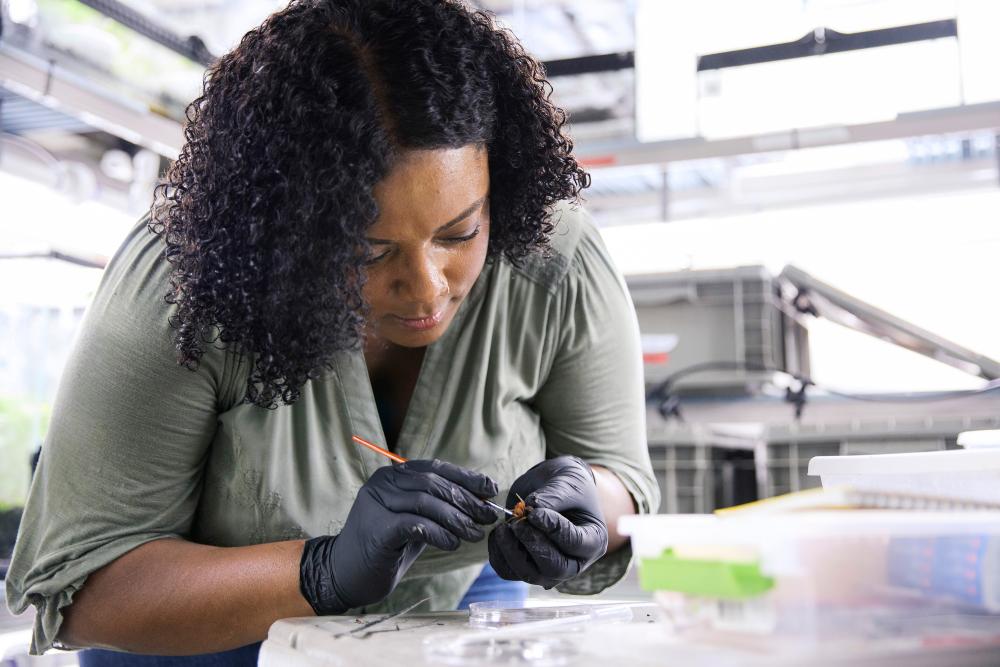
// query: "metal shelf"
[[55, 87]]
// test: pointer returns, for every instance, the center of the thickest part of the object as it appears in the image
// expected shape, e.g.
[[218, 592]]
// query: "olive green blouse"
[[541, 359]]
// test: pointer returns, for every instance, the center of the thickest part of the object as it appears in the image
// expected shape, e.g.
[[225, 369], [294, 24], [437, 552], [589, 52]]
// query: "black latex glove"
[[397, 513], [564, 531]]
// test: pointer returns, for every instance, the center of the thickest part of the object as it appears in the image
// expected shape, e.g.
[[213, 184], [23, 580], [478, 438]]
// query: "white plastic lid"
[[979, 439], [949, 461]]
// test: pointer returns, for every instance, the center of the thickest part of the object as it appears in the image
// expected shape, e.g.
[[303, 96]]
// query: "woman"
[[363, 235]]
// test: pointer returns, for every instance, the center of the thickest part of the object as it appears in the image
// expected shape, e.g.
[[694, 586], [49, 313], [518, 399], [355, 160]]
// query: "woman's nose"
[[422, 280]]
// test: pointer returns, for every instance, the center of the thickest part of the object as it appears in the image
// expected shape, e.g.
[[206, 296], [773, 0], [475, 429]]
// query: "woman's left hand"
[[562, 533]]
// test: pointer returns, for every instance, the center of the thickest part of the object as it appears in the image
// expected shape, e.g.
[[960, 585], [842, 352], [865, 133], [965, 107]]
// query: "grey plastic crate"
[[684, 476], [686, 454], [731, 315], [788, 462]]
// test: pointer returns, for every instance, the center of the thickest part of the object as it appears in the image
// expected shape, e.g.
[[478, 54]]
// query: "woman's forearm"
[[176, 597], [616, 502]]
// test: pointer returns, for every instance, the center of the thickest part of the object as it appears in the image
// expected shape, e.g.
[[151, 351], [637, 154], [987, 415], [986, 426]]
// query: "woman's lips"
[[421, 323]]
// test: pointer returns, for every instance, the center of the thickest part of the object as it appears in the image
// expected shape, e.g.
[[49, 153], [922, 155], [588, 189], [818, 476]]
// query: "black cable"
[[190, 46], [716, 366], [668, 403]]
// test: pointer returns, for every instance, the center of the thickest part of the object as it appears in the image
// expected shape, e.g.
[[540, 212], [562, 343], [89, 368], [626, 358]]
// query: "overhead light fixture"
[[24, 12], [117, 164]]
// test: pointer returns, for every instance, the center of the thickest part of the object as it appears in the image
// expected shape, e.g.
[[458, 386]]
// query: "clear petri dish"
[[499, 613], [470, 650]]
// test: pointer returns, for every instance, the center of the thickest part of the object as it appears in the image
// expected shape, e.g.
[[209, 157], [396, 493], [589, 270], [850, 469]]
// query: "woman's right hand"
[[397, 513]]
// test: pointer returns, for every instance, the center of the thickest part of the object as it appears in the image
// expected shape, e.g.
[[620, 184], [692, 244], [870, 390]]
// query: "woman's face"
[[428, 243]]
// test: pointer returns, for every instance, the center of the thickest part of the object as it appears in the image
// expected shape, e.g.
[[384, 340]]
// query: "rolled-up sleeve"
[[592, 403], [122, 461]]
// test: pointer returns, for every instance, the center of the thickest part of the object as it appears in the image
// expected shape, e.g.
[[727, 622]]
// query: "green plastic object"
[[707, 578]]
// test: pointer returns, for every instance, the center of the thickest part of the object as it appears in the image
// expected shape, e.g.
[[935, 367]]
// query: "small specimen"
[[521, 510]]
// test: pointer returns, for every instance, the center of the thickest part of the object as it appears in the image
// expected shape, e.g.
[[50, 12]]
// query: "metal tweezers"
[[363, 628]]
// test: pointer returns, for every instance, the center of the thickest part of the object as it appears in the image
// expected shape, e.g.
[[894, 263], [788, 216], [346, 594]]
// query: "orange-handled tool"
[[400, 459]]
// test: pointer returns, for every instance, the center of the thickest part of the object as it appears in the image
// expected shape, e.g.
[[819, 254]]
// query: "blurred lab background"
[[803, 195]]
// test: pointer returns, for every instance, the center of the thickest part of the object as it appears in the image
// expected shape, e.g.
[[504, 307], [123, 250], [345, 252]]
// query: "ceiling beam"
[[53, 86], [964, 118]]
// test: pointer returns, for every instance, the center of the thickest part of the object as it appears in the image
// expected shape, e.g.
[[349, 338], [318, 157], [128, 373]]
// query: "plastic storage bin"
[[711, 315], [833, 578]]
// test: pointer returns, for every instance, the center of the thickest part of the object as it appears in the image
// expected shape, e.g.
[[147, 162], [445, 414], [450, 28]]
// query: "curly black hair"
[[264, 212]]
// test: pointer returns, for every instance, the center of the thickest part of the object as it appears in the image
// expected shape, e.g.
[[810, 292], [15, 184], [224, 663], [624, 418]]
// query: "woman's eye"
[[467, 237], [374, 259]]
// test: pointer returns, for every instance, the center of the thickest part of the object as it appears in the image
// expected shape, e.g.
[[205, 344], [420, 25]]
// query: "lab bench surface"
[[406, 642]]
